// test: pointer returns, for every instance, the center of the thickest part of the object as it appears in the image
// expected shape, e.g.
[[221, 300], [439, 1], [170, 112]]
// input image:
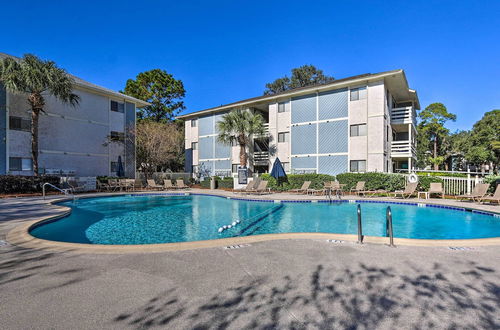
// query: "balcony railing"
[[266, 131], [403, 149], [405, 115], [261, 158]]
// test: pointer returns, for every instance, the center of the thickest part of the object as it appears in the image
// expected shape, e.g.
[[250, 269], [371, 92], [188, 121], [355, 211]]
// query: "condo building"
[[86, 140], [364, 123]]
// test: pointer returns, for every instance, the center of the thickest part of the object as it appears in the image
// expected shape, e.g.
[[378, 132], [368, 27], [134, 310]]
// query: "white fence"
[[456, 185]]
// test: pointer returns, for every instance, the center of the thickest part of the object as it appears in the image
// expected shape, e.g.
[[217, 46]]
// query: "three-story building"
[[361, 123]]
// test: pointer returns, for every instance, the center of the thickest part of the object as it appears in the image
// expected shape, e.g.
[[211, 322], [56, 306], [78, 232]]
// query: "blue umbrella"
[[278, 172], [120, 172]]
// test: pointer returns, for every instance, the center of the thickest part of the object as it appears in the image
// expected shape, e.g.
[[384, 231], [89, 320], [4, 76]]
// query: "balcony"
[[404, 115], [266, 132], [261, 158], [403, 149]]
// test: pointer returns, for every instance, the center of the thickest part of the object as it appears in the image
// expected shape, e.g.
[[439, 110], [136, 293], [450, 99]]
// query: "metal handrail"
[[360, 230], [388, 226], [64, 191]]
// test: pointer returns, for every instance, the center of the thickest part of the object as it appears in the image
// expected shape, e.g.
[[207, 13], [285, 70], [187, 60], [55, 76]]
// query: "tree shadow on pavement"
[[362, 296]]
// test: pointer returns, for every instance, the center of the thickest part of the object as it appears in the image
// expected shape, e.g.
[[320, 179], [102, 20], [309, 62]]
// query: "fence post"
[[468, 180]]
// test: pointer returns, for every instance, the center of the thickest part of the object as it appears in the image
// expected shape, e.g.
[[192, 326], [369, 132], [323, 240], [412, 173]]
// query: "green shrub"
[[226, 183], [493, 180], [385, 181], [20, 184], [455, 175], [295, 181]]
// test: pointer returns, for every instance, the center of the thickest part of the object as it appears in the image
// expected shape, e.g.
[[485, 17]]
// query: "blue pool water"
[[166, 219]]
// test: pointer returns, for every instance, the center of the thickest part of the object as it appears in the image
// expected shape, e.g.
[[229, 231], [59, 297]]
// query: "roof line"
[[83, 84], [316, 87]]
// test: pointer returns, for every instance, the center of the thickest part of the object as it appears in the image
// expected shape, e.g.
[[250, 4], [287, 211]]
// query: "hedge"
[[226, 183], [385, 181], [20, 184], [295, 181]]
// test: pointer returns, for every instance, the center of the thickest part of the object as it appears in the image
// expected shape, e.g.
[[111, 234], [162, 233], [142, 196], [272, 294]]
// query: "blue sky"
[[225, 51]]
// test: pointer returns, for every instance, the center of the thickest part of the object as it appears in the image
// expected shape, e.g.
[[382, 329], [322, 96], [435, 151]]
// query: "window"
[[358, 165], [114, 167], [19, 124], [194, 122], [358, 130], [234, 168], [284, 137], [194, 145], [358, 93], [20, 164], [282, 106], [117, 106], [117, 136]]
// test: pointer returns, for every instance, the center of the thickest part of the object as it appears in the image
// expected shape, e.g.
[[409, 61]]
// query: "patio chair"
[[137, 184], [167, 184], [250, 185], [181, 184], [408, 192], [436, 188], [477, 193], [101, 186], [261, 188], [113, 184], [493, 198], [359, 189], [152, 185], [303, 189]]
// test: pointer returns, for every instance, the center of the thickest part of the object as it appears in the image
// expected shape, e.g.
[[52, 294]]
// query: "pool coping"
[[20, 235]]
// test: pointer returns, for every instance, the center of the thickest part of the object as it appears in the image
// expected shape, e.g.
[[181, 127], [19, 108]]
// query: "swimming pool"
[[152, 219]]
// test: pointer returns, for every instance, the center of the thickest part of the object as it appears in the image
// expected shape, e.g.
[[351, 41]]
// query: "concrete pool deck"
[[282, 284], [30, 207]]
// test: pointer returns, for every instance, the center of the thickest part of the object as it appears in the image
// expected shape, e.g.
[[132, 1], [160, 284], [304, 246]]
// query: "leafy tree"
[[37, 79], [162, 90], [485, 139], [303, 76], [158, 146], [433, 133], [238, 126]]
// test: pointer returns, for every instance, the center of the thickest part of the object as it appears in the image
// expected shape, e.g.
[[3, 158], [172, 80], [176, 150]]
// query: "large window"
[[358, 93], [194, 145], [284, 137], [282, 107], [117, 106], [358, 130], [194, 122], [20, 164], [19, 124], [117, 136], [358, 165]]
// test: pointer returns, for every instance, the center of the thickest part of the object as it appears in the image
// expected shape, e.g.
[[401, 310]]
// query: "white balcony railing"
[[261, 158], [403, 149], [404, 115]]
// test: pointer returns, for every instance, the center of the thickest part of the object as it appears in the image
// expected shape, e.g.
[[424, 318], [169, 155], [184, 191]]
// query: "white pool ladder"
[[66, 192]]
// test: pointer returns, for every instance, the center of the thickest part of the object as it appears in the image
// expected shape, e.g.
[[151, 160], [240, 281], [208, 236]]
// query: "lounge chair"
[[181, 185], [137, 184], [436, 188], [250, 185], [359, 189], [113, 184], [408, 192], [261, 188], [493, 198], [152, 185], [101, 186], [477, 193], [167, 184], [303, 189]]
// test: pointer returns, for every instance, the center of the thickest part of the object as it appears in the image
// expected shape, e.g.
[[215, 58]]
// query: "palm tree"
[[37, 79], [239, 126]]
